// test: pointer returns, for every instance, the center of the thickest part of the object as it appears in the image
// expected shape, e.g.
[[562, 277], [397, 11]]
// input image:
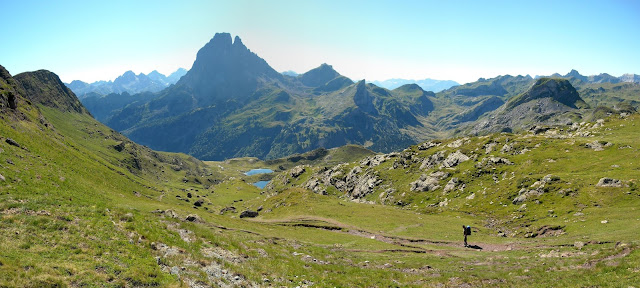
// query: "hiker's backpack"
[[467, 230]]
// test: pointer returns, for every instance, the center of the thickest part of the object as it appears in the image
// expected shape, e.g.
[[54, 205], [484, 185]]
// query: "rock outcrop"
[[609, 182]]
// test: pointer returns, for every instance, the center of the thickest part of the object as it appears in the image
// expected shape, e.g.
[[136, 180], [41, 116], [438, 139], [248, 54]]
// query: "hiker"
[[466, 231]]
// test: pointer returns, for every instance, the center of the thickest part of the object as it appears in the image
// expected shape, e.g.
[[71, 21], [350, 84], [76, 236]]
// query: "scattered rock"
[[428, 183], [432, 160], [227, 209], [12, 142], [609, 182], [604, 221], [198, 203], [373, 161], [193, 218], [538, 129], [454, 159], [525, 194], [493, 161], [120, 146], [2, 178], [248, 214], [427, 145], [457, 143], [297, 171], [578, 244], [175, 270], [488, 148], [598, 145], [506, 148], [452, 184]]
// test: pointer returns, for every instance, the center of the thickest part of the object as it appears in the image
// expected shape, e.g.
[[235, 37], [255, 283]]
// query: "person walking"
[[466, 232]]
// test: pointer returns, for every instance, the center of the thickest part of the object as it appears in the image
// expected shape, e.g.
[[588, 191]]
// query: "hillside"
[[80, 205]]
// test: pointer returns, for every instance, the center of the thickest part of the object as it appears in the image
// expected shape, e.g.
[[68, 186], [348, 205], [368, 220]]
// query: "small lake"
[[261, 184], [258, 171]]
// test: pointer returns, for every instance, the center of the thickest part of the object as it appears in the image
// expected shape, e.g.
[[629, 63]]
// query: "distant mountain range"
[[601, 78], [290, 73], [425, 84], [233, 104], [128, 82]]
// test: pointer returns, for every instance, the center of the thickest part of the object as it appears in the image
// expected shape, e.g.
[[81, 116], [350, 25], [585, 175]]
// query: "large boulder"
[[248, 214], [609, 182], [454, 159]]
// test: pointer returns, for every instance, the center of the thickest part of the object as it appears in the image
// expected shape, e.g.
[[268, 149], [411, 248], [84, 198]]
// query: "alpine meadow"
[[233, 174]]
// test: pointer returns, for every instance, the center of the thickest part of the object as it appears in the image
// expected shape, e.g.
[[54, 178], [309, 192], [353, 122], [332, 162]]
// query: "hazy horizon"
[[376, 41]]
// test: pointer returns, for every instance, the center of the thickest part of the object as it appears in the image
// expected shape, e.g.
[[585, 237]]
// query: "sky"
[[372, 40]]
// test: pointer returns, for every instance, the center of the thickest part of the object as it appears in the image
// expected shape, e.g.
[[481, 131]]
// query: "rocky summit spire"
[[237, 43], [226, 69], [363, 99]]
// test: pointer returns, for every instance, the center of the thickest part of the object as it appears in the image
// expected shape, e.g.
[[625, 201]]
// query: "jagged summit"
[[557, 89], [237, 42], [573, 73], [226, 69]]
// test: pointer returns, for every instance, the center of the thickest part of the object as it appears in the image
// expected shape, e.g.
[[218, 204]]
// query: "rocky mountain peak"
[[126, 77], [363, 98], [318, 76], [573, 73], [237, 43], [557, 89], [221, 40], [224, 69]]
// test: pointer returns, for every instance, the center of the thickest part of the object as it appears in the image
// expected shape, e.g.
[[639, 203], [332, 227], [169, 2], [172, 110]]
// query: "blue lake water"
[[261, 184], [258, 171]]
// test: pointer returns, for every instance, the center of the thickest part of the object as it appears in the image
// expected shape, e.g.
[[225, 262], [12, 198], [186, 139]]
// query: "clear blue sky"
[[375, 40]]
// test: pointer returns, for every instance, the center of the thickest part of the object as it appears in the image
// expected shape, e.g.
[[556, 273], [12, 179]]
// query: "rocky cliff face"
[[8, 90]]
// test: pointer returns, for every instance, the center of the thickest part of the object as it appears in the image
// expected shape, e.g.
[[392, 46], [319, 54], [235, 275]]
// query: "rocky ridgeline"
[[436, 166]]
